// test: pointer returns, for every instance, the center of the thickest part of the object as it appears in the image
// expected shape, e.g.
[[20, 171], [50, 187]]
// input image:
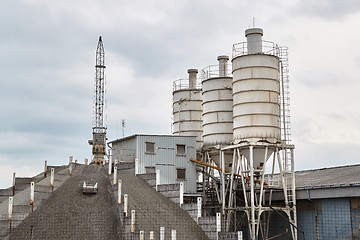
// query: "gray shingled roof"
[[69, 214], [328, 177]]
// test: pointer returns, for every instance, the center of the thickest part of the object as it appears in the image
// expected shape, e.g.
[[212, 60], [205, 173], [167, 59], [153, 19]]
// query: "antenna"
[[253, 22], [123, 127]]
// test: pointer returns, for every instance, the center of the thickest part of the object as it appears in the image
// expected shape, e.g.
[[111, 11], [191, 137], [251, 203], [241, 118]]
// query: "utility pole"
[[98, 141]]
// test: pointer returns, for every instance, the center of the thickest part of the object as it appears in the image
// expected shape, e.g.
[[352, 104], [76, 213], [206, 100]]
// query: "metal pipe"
[[218, 224], [115, 175], [132, 221], [32, 194], [192, 78], [223, 68], [181, 193], [162, 233], [157, 172], [173, 234], [199, 205], [110, 165], [52, 177], [142, 237], [119, 191], [222, 181], [151, 237], [252, 193], [10, 208], [125, 204], [14, 186], [45, 169]]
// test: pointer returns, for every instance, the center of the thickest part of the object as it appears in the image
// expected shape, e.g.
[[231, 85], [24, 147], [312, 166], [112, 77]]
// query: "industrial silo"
[[256, 91], [217, 113], [217, 106], [187, 112]]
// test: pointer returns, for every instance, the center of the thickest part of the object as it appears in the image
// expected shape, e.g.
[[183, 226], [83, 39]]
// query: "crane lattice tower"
[[99, 130]]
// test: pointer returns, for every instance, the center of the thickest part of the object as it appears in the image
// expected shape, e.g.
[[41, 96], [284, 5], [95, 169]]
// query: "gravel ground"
[[153, 211], [69, 214]]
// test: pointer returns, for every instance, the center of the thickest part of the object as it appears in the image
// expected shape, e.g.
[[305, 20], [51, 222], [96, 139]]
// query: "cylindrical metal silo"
[[217, 111], [217, 107], [187, 111], [256, 91]]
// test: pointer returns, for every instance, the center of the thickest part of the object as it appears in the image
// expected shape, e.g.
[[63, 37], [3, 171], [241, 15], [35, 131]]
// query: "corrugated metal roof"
[[328, 177]]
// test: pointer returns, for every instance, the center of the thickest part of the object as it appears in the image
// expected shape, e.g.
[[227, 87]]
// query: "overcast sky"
[[47, 58]]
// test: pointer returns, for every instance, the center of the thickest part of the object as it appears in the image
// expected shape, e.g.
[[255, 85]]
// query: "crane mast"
[[99, 130]]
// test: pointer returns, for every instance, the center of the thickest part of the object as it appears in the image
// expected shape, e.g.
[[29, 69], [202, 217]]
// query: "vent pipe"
[[223, 67], [254, 40], [192, 78]]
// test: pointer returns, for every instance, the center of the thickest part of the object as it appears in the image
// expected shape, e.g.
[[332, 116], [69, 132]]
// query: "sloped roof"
[[343, 176], [69, 214]]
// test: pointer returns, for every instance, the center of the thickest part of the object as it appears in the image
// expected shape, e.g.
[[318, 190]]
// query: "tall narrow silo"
[[256, 91], [187, 112], [217, 107], [258, 68], [217, 110]]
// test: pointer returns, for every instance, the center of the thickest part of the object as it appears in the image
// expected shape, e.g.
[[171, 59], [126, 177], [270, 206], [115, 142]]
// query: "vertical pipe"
[[32, 194], [52, 177], [86, 161], [252, 193], [132, 221], [45, 169], [254, 40], [192, 78], [10, 208], [162, 233], [110, 165], [181, 193], [14, 186], [173, 234], [142, 235], [136, 166], [222, 181], [125, 204], [70, 169], [240, 235], [151, 237], [119, 191], [115, 175], [199, 205], [218, 224], [223, 67], [157, 178]]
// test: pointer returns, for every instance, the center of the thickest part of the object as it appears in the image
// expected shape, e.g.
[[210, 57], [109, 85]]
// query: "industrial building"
[[226, 172]]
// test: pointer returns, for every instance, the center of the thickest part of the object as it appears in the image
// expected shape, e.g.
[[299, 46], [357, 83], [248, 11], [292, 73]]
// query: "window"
[[180, 149], [149, 147], [181, 173]]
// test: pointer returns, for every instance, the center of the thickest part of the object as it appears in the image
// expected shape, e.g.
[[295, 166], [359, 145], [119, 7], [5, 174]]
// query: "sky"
[[47, 63]]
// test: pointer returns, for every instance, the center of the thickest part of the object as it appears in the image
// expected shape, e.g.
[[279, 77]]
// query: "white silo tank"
[[256, 91], [187, 111], [217, 106], [217, 112]]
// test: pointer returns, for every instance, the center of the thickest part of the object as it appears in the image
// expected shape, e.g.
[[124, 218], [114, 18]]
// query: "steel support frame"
[[253, 183]]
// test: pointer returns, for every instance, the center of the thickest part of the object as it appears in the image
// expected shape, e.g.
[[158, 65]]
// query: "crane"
[[98, 141]]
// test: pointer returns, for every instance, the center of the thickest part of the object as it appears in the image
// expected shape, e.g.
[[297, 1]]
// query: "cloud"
[[332, 10], [48, 57]]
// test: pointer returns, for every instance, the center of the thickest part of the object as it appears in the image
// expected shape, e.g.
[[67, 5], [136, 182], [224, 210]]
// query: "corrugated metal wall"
[[164, 157], [334, 218], [166, 160]]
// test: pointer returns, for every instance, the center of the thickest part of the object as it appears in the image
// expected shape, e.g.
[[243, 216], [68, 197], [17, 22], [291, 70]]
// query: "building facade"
[[168, 154]]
